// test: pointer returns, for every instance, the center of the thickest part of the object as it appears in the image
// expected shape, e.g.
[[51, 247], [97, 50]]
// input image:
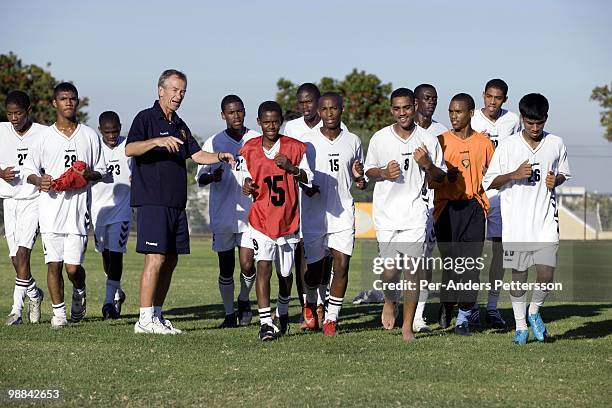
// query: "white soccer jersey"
[[506, 125], [528, 207], [228, 208], [110, 197], [64, 212], [399, 205], [331, 210], [436, 128], [13, 153], [297, 128]]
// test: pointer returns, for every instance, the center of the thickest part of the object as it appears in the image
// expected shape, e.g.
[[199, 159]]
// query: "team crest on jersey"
[[183, 134], [465, 163]]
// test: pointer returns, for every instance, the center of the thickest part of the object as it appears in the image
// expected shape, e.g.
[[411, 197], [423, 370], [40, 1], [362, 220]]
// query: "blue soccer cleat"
[[538, 326], [520, 337]]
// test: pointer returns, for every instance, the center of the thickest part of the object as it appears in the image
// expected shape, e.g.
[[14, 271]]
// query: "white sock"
[[423, 295], [519, 307], [333, 308], [312, 295], [32, 291], [146, 314], [265, 316], [226, 288], [19, 293], [59, 310], [112, 287], [282, 304], [537, 300], [492, 299], [246, 283]]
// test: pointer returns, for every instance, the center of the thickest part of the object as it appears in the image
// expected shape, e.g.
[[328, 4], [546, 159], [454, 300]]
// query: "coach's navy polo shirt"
[[158, 176]]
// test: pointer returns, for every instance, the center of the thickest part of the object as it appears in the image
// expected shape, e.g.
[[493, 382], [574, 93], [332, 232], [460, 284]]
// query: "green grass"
[[103, 363]]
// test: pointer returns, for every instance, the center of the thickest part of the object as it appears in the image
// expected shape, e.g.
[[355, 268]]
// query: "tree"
[[603, 95], [38, 83]]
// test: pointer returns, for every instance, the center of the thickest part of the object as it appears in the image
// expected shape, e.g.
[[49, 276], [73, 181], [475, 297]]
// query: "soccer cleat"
[[537, 326], [245, 315], [34, 307], [13, 319], [474, 318], [58, 322], [152, 327], [329, 328], [309, 312], [230, 321], [520, 337], [463, 329], [78, 307], [119, 300], [495, 319], [268, 332], [445, 315], [320, 315], [109, 311], [283, 324], [420, 326], [167, 324]]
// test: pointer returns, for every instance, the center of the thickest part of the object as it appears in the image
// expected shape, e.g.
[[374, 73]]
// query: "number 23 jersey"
[[275, 210]]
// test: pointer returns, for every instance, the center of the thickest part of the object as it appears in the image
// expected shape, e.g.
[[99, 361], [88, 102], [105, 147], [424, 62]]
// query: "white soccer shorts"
[[280, 250], [20, 223], [317, 246], [67, 248], [223, 241], [113, 237], [494, 219], [410, 242], [523, 260]]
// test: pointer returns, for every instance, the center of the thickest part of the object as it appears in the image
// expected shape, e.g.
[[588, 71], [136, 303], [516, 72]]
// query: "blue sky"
[[114, 52]]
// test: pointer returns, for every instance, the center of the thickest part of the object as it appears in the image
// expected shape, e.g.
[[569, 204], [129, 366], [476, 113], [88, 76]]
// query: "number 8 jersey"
[[275, 211], [64, 212]]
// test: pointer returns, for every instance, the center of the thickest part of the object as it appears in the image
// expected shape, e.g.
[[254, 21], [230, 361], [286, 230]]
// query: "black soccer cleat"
[[495, 319], [268, 332], [230, 321], [109, 311], [463, 329], [283, 324]]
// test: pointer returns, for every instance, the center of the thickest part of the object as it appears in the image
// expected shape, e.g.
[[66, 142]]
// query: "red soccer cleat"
[[310, 317], [329, 328]]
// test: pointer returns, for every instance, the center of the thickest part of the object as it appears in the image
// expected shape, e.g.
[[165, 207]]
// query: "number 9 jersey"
[[275, 211]]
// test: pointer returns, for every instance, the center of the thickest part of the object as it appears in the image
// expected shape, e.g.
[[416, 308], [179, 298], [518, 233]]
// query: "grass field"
[[100, 362]]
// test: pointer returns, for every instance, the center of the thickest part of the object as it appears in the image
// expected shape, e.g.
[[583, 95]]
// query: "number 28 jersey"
[[274, 211], [64, 212]]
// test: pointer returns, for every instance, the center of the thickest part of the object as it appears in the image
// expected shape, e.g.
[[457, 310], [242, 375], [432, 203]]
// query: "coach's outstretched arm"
[[203, 157], [138, 148]]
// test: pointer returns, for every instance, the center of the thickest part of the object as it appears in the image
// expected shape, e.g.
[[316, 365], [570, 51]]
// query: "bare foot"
[[407, 333], [388, 315]]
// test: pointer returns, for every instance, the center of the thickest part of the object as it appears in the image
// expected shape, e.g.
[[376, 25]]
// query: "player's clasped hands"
[[357, 169], [249, 187], [393, 171], [523, 171], [44, 183], [421, 156]]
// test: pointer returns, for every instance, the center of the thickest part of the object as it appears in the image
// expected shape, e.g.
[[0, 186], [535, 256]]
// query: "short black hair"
[[333, 95], [420, 88], [269, 106], [64, 87], [18, 98], [534, 106], [310, 88], [402, 93], [227, 99], [463, 97], [497, 84], [109, 117]]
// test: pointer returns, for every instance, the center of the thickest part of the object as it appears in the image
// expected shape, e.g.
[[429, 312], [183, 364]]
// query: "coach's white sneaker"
[[34, 307], [13, 320], [57, 322], [166, 323], [420, 326], [152, 327]]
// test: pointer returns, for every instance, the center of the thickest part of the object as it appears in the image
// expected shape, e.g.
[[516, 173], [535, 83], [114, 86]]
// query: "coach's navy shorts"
[[162, 230]]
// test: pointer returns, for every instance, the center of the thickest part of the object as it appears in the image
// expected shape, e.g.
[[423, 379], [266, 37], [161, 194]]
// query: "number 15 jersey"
[[275, 211]]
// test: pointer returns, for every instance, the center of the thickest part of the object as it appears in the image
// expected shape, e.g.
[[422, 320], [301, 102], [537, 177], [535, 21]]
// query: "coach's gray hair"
[[167, 74]]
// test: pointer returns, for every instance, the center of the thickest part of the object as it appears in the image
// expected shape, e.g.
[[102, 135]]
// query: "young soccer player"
[[64, 215], [402, 159], [426, 98], [228, 212], [336, 157], [274, 164], [111, 212], [525, 169], [17, 136], [460, 207], [497, 123]]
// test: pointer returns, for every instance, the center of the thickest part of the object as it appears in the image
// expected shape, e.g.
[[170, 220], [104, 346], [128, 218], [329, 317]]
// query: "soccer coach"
[[160, 142]]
